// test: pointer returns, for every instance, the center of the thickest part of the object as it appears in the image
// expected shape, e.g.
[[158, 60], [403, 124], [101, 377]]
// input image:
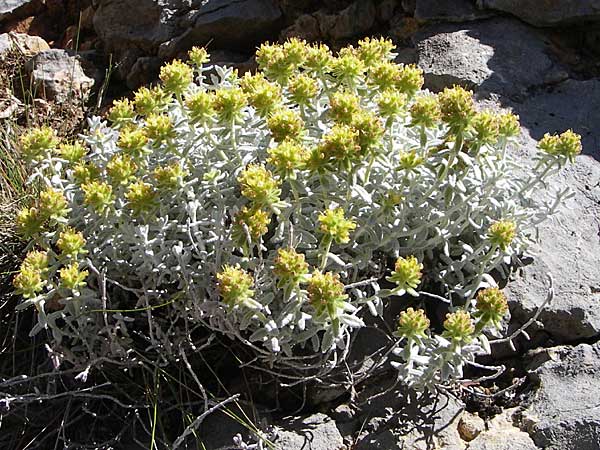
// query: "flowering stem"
[[326, 244]]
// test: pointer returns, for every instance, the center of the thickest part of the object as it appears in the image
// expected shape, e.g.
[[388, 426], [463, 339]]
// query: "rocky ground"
[[538, 58]]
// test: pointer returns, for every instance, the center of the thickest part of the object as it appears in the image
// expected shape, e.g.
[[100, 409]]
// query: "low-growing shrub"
[[279, 208]]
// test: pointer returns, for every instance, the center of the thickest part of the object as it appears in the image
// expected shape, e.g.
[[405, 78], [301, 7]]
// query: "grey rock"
[[400, 420], [569, 243], [470, 426], [165, 29], [497, 55], [546, 13], [58, 75], [352, 21], [316, 432], [234, 25], [448, 11], [564, 411], [503, 435], [17, 9], [218, 430], [24, 43]]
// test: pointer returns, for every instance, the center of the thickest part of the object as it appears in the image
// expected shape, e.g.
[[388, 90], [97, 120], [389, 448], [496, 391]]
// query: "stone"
[[26, 45], [227, 24], [564, 410], [305, 27], [167, 29], [448, 11], [569, 243], [502, 435], [401, 420], [470, 426], [17, 9], [356, 19], [315, 432], [58, 75], [547, 13], [499, 55]]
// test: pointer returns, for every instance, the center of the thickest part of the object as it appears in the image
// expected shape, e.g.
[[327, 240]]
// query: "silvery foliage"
[[155, 279]]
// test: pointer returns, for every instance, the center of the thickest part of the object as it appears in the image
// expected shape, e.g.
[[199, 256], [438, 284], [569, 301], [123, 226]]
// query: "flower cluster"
[[278, 208]]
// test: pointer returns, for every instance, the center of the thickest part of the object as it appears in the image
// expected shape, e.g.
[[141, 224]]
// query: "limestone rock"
[[355, 20], [569, 243], [316, 432], [27, 45], [546, 13], [448, 11], [166, 29], [58, 75], [470, 426], [227, 24], [564, 411], [502, 435], [399, 420], [497, 55], [17, 9]]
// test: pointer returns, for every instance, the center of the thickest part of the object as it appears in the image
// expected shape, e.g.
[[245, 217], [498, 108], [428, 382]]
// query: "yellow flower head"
[[457, 107], [370, 130], [318, 58], [348, 68], [335, 225], [287, 157], [176, 76], [303, 89], [410, 80], [170, 177], [29, 222], [72, 152], [343, 106], [391, 103], [567, 144], [122, 112], [132, 141], [159, 128], [200, 106], [235, 285], [98, 195], [255, 219], [28, 282], [372, 50], [326, 293], [491, 306], [71, 277], [425, 111], [259, 186], [37, 141], [36, 260], [71, 243], [486, 127], [290, 266], [198, 56], [263, 95], [141, 197], [458, 327], [385, 75], [229, 104], [412, 324], [121, 169], [149, 101], [53, 204], [407, 273], [502, 233], [285, 124], [508, 125]]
